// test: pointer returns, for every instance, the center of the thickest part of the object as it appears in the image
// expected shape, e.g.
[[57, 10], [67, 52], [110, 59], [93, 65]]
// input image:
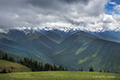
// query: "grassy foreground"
[[60, 75]]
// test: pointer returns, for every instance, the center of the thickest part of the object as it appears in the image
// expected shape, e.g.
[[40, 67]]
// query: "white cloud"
[[95, 7], [117, 8], [113, 3], [100, 23], [84, 14]]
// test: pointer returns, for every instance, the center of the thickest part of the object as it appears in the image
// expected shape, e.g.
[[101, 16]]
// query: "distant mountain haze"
[[73, 49]]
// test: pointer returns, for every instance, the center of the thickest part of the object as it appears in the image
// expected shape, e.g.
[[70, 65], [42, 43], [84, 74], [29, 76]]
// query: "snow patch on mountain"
[[42, 29]]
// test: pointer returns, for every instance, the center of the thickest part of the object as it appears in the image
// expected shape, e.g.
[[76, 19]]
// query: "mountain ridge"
[[77, 47], [106, 35]]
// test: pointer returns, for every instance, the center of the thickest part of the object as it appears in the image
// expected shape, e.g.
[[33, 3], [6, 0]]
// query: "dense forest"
[[38, 66], [34, 65]]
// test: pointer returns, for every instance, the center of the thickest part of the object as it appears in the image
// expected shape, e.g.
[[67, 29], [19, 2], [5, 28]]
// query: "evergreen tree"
[[6, 56], [49, 68], [55, 68], [11, 59], [18, 61], [81, 69], [9, 71], [4, 71], [91, 68], [36, 65], [0, 57], [66, 69], [41, 66], [26, 61], [104, 70], [107, 71], [46, 67], [33, 68], [3, 57], [60, 68], [21, 62], [52, 68], [30, 63]]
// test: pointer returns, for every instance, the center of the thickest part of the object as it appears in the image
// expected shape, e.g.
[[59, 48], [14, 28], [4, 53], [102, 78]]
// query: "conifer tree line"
[[34, 65], [39, 66], [5, 57]]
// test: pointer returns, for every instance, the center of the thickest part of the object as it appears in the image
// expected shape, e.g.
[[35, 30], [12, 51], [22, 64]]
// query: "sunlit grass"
[[60, 75], [16, 67]]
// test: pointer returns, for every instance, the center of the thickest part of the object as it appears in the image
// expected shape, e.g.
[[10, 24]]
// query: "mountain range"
[[73, 49]]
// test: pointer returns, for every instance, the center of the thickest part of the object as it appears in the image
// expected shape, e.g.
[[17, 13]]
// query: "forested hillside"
[[73, 49]]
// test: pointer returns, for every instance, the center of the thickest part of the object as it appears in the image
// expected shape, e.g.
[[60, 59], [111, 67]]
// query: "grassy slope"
[[76, 51], [60, 75], [85, 51], [57, 36], [37, 46], [17, 67]]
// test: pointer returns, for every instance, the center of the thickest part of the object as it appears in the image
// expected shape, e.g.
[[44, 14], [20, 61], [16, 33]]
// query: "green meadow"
[[60, 75], [13, 67]]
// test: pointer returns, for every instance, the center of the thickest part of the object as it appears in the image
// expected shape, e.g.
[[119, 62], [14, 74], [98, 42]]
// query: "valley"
[[73, 49]]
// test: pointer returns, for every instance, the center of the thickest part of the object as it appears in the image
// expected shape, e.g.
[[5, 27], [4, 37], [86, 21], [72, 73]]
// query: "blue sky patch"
[[110, 7]]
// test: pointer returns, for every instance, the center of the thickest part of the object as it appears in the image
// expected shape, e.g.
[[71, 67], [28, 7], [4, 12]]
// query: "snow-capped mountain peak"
[[41, 29]]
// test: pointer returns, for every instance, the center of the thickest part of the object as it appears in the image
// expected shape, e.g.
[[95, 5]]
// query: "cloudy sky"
[[90, 15]]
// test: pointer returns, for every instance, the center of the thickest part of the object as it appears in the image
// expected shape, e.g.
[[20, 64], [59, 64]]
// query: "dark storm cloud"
[[73, 22], [81, 23], [45, 4], [55, 4], [11, 3], [75, 1]]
